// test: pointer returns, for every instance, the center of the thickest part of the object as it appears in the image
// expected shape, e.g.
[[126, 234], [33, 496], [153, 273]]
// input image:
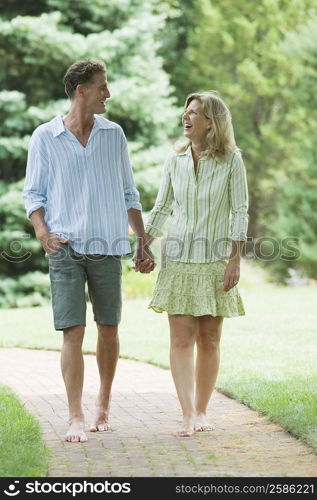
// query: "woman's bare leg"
[[207, 365], [182, 334]]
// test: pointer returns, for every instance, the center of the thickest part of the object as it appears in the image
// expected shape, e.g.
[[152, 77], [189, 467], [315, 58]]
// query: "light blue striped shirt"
[[85, 191]]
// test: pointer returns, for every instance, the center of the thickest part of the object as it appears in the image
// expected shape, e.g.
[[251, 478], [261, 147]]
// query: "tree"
[[35, 50], [296, 207], [237, 49]]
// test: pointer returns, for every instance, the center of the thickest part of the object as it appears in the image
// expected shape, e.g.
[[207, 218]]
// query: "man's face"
[[95, 93]]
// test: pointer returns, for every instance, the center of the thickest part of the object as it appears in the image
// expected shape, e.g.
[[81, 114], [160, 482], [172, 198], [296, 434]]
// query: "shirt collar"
[[100, 122], [187, 152], [57, 125], [103, 123]]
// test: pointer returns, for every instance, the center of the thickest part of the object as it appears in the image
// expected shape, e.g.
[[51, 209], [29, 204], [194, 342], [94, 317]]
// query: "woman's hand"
[[232, 274], [143, 258]]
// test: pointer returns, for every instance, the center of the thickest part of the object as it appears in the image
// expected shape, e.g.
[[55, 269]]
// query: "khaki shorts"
[[69, 272]]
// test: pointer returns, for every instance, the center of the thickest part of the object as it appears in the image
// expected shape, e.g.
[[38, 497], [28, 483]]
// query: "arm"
[[34, 193], [163, 205], [143, 257], [36, 177], [136, 224], [131, 194], [238, 192], [232, 273], [49, 241]]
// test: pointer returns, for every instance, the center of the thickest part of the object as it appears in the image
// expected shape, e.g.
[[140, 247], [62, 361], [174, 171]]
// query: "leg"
[[207, 365], [67, 275], [182, 332], [104, 285], [107, 354], [72, 364]]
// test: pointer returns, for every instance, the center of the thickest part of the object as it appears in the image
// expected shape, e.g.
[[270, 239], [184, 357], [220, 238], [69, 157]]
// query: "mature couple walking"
[[80, 196]]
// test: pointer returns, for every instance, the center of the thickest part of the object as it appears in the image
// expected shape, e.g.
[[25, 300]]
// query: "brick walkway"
[[143, 416]]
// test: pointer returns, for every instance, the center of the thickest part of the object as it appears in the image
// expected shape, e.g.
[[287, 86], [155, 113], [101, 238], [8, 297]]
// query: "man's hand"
[[232, 274], [50, 242], [143, 258]]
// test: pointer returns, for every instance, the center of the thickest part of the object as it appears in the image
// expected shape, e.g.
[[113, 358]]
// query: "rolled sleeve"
[[35, 205], [239, 200], [35, 184], [163, 204], [131, 194], [132, 199], [153, 231]]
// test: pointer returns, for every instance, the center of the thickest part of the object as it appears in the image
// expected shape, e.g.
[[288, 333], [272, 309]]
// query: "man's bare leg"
[[72, 365], [107, 354]]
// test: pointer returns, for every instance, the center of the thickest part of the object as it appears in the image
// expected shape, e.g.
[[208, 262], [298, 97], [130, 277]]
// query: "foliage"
[[38, 41], [148, 182], [22, 451], [260, 57], [236, 48], [20, 251], [31, 289], [148, 167], [296, 207], [36, 50]]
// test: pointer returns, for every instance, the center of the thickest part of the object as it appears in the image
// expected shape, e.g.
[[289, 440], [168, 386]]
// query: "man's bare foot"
[[187, 429], [201, 423], [100, 423], [76, 433]]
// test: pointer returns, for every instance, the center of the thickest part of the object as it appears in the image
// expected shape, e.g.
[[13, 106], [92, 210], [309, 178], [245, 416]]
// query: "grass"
[[22, 450], [268, 358]]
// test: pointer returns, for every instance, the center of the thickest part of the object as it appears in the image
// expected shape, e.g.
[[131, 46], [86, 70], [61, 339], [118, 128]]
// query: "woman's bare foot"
[[201, 423], [76, 433], [187, 429], [100, 423]]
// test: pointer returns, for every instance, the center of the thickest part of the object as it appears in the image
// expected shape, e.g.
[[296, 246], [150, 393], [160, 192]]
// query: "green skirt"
[[196, 290]]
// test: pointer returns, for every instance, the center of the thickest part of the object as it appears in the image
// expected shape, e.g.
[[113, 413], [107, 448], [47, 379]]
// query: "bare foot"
[[76, 433], [187, 429], [201, 423], [101, 420]]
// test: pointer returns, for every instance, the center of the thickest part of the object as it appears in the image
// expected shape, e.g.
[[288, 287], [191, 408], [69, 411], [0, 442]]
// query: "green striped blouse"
[[208, 208]]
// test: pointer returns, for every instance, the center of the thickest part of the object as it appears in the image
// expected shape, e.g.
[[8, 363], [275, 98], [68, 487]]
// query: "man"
[[80, 196]]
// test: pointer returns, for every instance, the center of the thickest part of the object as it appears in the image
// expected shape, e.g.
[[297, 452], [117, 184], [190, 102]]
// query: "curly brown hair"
[[81, 72]]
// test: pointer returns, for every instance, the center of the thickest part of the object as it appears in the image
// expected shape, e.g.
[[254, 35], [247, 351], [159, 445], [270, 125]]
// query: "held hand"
[[232, 275], [143, 259], [51, 242]]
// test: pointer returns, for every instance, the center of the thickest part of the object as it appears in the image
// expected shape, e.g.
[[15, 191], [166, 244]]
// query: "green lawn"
[[268, 356], [22, 451]]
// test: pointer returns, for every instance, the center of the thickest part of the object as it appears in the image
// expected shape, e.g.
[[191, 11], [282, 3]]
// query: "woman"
[[204, 188]]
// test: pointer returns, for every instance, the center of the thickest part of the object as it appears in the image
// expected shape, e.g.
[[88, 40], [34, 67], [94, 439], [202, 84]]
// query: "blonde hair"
[[220, 141]]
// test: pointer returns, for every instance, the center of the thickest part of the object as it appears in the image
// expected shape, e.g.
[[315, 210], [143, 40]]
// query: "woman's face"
[[195, 124]]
